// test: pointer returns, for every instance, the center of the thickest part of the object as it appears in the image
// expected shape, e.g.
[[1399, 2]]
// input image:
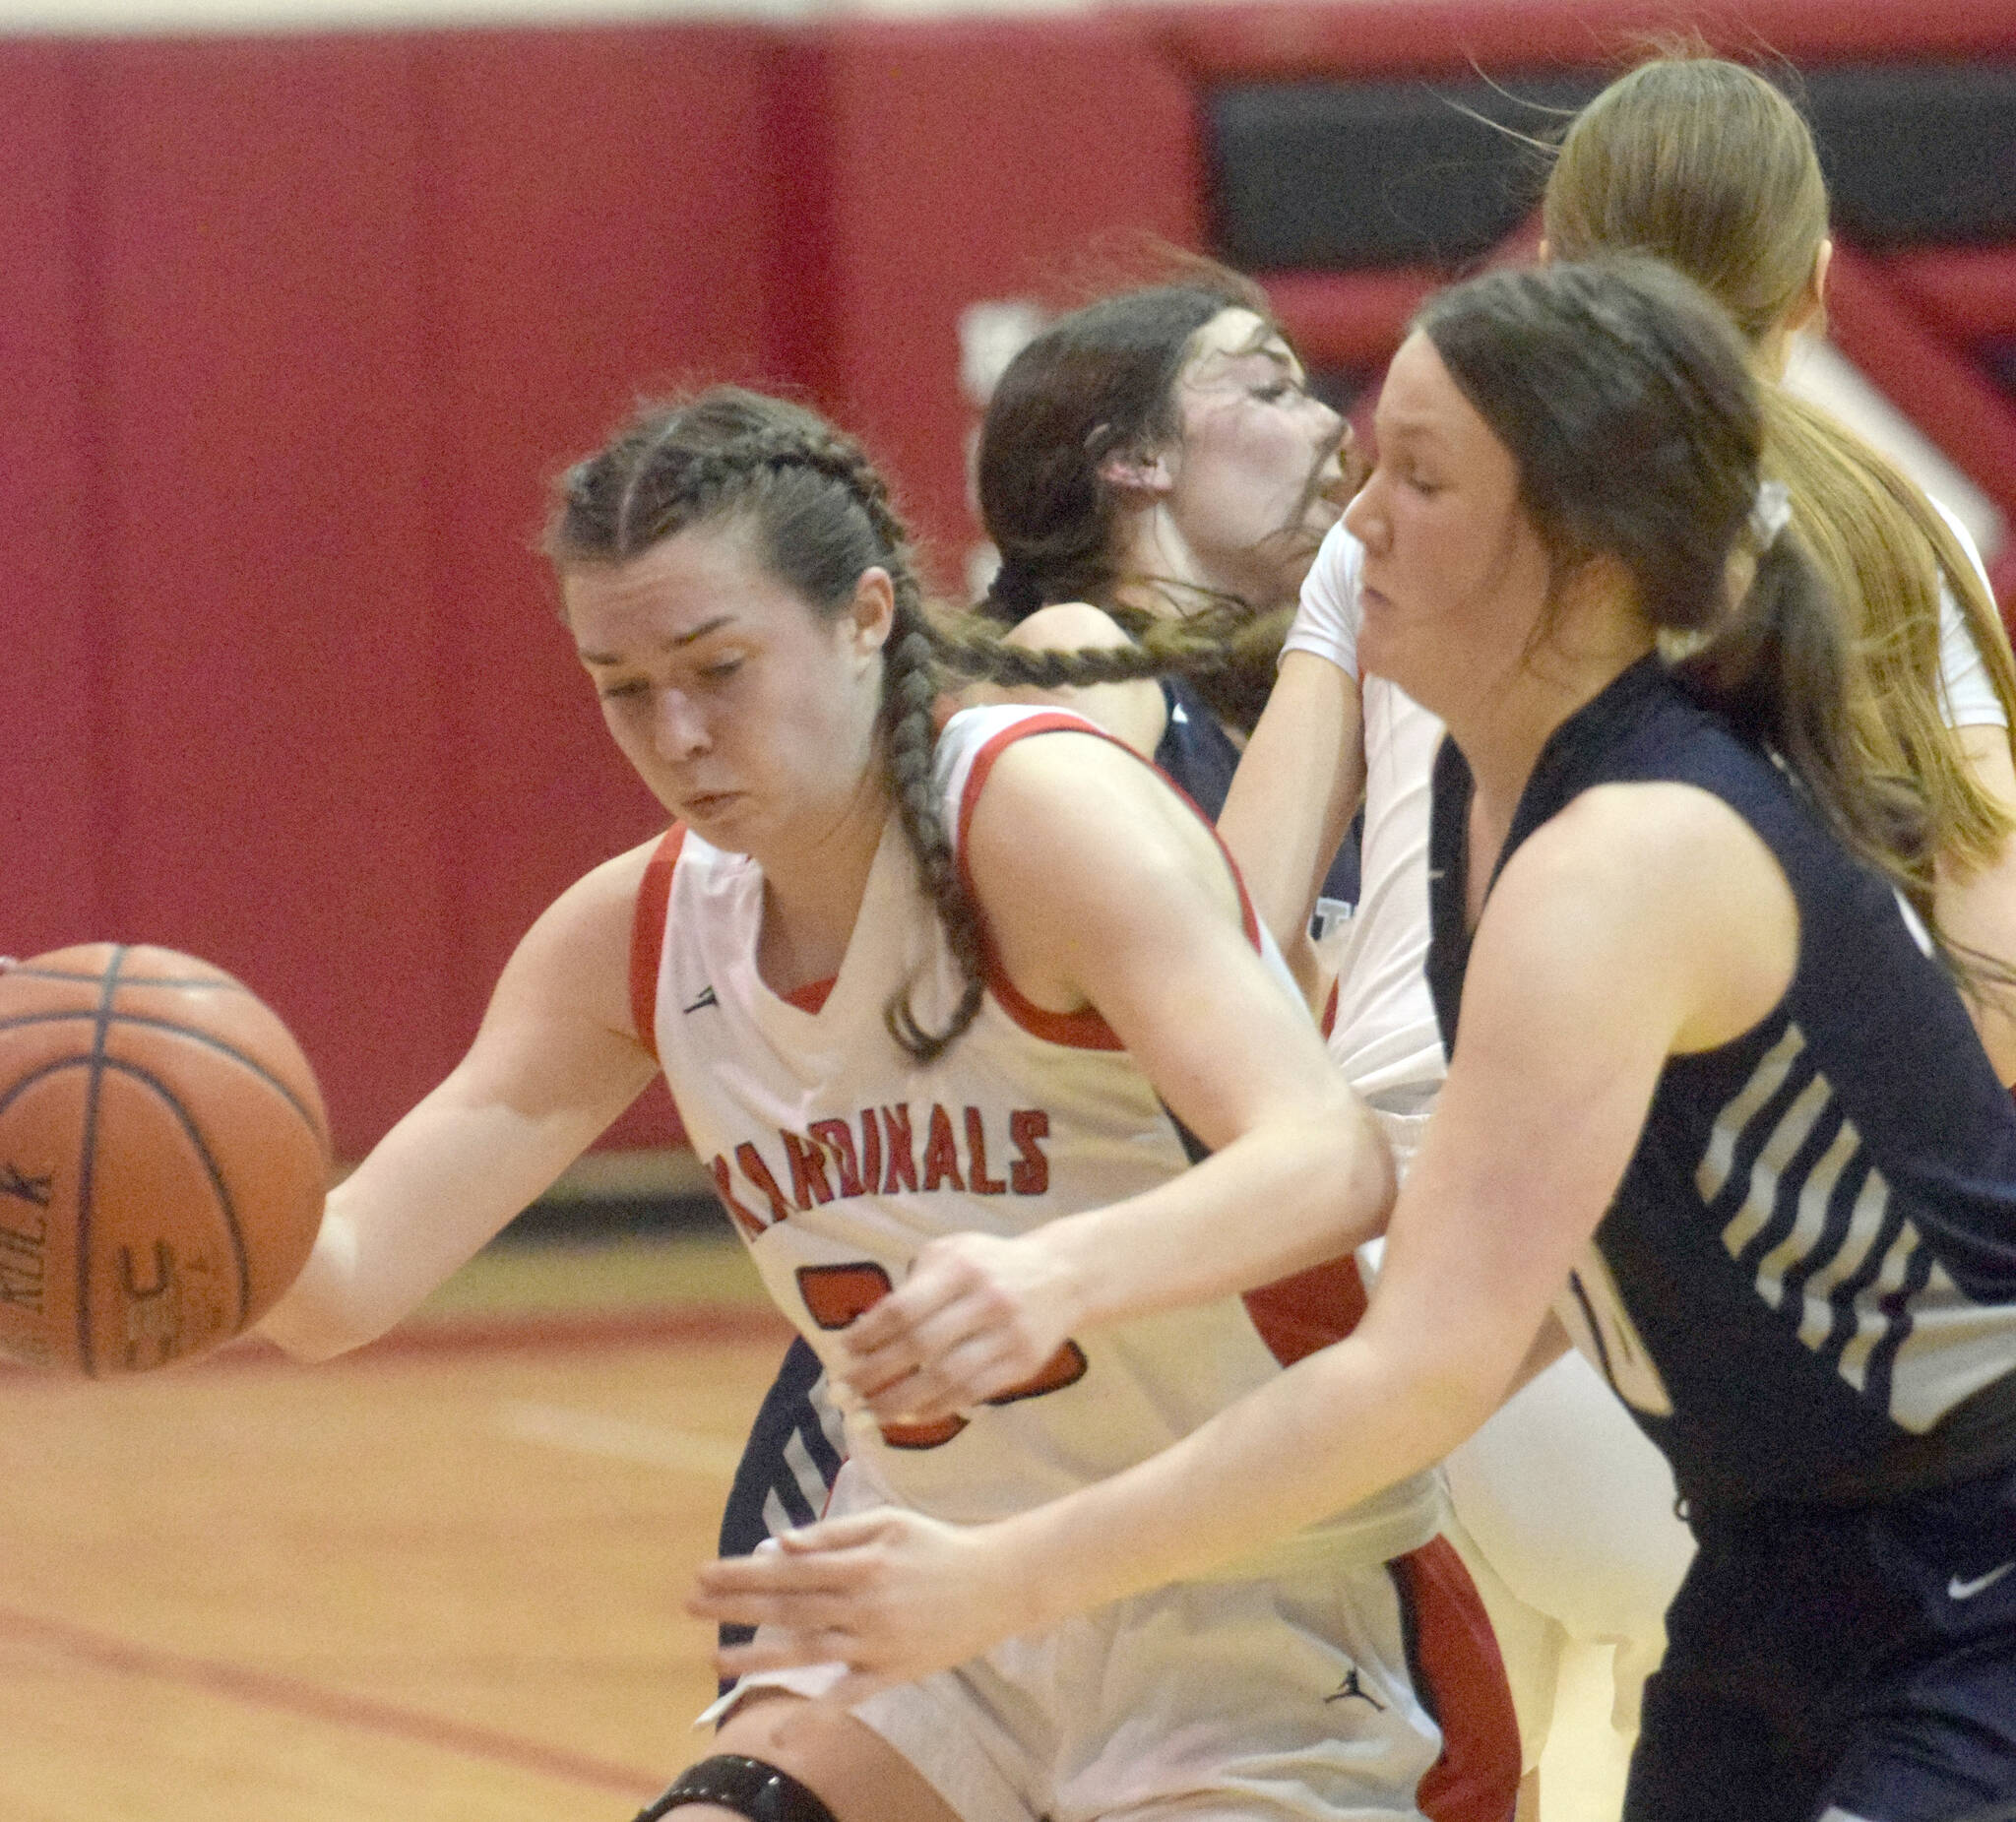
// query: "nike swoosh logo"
[[1956, 1590]]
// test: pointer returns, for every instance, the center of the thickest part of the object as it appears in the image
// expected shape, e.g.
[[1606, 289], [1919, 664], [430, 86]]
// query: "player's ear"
[[1808, 311], [1143, 476], [872, 612]]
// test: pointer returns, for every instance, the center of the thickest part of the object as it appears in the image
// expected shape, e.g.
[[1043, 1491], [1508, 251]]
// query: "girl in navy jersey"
[[1705, 165], [986, 985], [1709, 167], [1566, 1512], [1157, 458], [1713, 1095]]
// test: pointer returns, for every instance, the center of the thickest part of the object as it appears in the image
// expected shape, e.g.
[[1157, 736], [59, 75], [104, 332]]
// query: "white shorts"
[[1276, 1698], [1572, 1508]]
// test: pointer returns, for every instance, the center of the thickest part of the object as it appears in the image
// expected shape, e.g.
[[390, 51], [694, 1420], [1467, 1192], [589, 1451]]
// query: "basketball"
[[164, 1156]]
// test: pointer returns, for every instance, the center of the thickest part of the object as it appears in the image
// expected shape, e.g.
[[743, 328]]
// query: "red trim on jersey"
[[1459, 1672], [648, 935], [1328, 1022], [1087, 1030], [1299, 1316], [811, 997]]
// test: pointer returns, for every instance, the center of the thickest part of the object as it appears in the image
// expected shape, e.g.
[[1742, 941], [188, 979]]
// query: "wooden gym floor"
[[436, 1582]]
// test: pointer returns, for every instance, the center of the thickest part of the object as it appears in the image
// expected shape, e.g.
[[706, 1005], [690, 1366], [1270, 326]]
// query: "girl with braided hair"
[[990, 984], [1156, 476]]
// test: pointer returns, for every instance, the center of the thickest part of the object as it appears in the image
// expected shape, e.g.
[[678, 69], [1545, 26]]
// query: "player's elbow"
[[1352, 1166], [1371, 1178]]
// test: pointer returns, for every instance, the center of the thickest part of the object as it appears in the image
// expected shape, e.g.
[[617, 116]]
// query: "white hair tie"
[[1769, 514]]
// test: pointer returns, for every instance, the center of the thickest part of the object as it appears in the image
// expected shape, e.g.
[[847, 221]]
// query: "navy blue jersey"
[[1805, 1287]]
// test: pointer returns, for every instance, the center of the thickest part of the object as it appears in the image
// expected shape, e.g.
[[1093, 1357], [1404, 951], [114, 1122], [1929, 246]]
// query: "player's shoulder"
[[593, 920], [1061, 753], [576, 960], [616, 881], [1638, 837], [1072, 809], [1655, 881], [1064, 626]]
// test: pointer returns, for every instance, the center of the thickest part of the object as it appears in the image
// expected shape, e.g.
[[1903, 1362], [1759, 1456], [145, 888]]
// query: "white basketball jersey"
[[837, 1155]]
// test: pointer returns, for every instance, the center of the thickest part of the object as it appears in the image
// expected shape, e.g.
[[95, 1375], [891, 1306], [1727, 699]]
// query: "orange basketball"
[[163, 1155]]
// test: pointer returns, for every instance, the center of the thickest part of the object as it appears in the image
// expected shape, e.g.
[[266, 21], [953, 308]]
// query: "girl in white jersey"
[[1151, 460], [1566, 1512], [987, 986]]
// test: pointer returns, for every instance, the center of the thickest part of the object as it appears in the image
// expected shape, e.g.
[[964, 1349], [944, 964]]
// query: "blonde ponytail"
[[1883, 551]]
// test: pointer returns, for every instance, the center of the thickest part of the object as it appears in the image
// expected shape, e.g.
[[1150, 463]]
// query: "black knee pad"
[[748, 1786]]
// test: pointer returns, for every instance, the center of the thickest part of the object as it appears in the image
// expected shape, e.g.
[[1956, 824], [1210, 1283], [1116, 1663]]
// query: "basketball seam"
[[22, 972], [258, 1069], [119, 1066], [21, 1084], [89, 1147], [217, 1181]]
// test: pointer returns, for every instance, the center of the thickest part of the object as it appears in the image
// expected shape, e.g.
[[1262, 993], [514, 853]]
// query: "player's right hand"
[[979, 1315]]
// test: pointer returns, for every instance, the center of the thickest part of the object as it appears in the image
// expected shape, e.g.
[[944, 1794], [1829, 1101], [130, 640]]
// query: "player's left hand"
[[978, 1316], [890, 1593]]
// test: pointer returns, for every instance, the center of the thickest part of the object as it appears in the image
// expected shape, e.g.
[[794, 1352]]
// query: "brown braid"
[[1236, 690], [1200, 646], [909, 694], [912, 684], [822, 516]]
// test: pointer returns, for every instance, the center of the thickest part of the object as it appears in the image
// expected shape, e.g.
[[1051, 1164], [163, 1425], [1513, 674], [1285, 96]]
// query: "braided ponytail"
[[1203, 647], [909, 694], [821, 516]]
